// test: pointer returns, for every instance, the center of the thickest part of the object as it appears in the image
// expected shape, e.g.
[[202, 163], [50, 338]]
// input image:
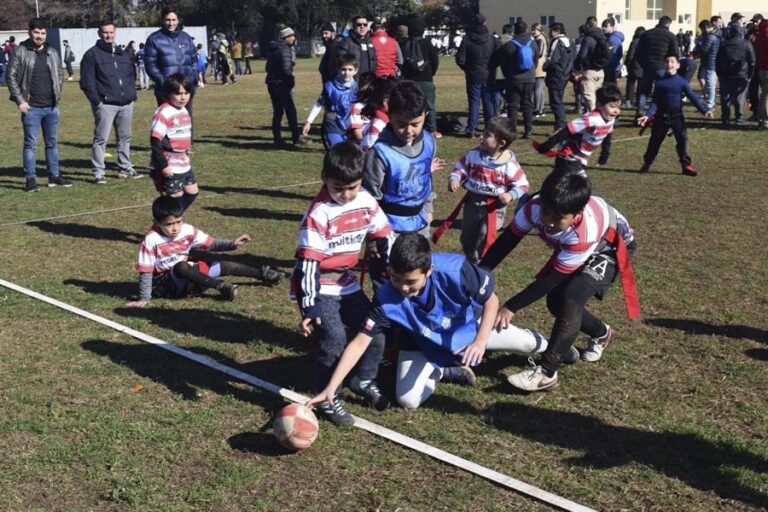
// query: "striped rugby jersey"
[[159, 253], [173, 127]]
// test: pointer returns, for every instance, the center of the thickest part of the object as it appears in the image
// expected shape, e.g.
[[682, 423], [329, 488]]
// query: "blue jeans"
[[477, 93], [48, 117], [710, 84]]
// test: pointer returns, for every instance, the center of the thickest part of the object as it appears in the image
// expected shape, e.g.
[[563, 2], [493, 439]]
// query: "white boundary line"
[[145, 205], [631, 138], [436, 453]]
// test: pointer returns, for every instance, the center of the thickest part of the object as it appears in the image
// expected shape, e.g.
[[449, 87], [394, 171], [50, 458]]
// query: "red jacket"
[[761, 46], [386, 53]]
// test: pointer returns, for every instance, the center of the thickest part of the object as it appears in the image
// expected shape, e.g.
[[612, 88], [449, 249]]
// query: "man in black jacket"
[[558, 67], [108, 79], [423, 75], [474, 57], [520, 79], [328, 69], [591, 73], [654, 45], [359, 44], [734, 65], [280, 83]]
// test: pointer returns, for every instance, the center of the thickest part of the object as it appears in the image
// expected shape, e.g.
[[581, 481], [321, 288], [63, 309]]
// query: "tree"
[[14, 15]]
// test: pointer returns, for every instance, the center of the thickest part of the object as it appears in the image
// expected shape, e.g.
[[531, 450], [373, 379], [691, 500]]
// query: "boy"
[[591, 242], [668, 100], [337, 98], [171, 263], [576, 142], [438, 300], [339, 220]]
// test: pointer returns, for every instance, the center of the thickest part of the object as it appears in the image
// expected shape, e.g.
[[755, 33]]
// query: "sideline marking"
[[146, 205], [436, 453]]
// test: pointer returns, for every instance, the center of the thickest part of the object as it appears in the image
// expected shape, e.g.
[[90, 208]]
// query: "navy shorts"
[[171, 286], [174, 184]]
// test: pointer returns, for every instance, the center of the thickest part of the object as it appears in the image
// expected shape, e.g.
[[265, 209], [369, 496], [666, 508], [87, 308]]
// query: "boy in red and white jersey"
[[592, 243], [171, 139], [573, 145], [173, 261], [341, 218]]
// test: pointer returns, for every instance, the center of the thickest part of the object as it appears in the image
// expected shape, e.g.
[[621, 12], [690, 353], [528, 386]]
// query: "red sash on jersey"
[[490, 235]]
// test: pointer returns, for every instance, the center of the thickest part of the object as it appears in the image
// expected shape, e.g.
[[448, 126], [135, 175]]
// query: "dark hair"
[[565, 192], [557, 26], [106, 21], [166, 206], [676, 56], [506, 29], [639, 31], [359, 17], [705, 25], [65, 42], [174, 83], [343, 162], [407, 99], [715, 18], [591, 21], [168, 9], [520, 27], [37, 23], [665, 21], [365, 84], [609, 22], [411, 251], [609, 93], [378, 93], [346, 60], [502, 129]]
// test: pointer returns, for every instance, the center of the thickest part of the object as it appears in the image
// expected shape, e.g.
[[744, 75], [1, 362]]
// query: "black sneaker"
[[370, 391], [270, 276], [462, 375], [31, 185], [58, 181], [336, 413], [228, 290]]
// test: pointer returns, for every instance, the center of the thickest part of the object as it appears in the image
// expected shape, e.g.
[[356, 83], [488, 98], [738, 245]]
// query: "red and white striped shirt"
[[489, 177], [579, 241], [158, 253], [587, 133], [356, 118], [173, 127], [373, 129]]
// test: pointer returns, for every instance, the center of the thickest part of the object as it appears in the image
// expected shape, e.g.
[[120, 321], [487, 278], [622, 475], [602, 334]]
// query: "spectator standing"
[[718, 29], [655, 44], [328, 62], [588, 63], [141, 70], [558, 67], [237, 56], [707, 49], [108, 79], [761, 49], [358, 44], [420, 63], [634, 69], [3, 63], [248, 54], [226, 64], [542, 46], [69, 58], [474, 58], [202, 65], [280, 83], [615, 41], [34, 82], [389, 58], [734, 65], [214, 48], [517, 61]]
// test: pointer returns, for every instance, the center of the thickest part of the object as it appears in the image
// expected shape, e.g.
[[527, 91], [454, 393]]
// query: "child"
[[447, 305], [170, 139], [493, 179], [339, 220], [576, 142], [377, 112], [591, 242], [168, 269], [357, 120], [668, 99], [337, 98]]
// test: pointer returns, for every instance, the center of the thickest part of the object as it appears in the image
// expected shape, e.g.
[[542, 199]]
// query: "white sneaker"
[[594, 350], [533, 379]]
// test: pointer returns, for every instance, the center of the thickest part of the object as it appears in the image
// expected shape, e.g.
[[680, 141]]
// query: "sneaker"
[[688, 170], [58, 181], [763, 128], [228, 290], [572, 357], [129, 175], [69, 79], [336, 413], [302, 141], [369, 390], [270, 276], [533, 378], [100, 180], [526, 135], [645, 169], [594, 350], [31, 185], [438, 135], [462, 375]]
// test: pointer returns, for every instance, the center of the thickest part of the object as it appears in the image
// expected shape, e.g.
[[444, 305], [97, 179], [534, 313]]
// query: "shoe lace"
[[532, 369]]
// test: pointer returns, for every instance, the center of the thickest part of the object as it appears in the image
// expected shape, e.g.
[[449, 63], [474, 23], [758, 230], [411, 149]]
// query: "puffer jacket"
[[616, 44], [167, 53], [706, 49], [20, 67], [474, 55], [655, 44], [354, 45], [279, 65], [583, 59], [107, 75]]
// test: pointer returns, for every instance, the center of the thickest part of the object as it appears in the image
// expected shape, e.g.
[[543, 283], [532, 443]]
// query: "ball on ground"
[[295, 427]]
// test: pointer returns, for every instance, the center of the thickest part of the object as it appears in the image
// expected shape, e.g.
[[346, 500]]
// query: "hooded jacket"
[[107, 75], [655, 44], [735, 59], [167, 53], [616, 44], [475, 53], [634, 69], [279, 65], [506, 57], [589, 41], [559, 62], [20, 67]]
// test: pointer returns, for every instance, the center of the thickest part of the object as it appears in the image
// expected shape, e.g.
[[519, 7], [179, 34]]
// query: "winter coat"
[[388, 55], [20, 66], [655, 44], [433, 60], [506, 57], [706, 49], [616, 44], [362, 49], [583, 60], [279, 65], [475, 53], [634, 69], [167, 53], [761, 46], [559, 62], [327, 66], [735, 59], [107, 75]]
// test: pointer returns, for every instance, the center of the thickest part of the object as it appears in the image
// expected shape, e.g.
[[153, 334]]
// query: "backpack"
[[524, 60], [601, 54], [414, 59]]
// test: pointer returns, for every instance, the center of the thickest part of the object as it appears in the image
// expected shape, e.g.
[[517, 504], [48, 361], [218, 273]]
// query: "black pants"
[[732, 93], [661, 126], [282, 102], [556, 103], [520, 97], [631, 88], [753, 92], [567, 302]]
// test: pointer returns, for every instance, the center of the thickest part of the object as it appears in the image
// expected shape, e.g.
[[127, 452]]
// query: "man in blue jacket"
[[108, 79], [706, 49], [616, 46]]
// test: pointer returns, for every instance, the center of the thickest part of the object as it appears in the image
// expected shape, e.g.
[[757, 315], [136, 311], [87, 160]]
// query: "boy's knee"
[[409, 401]]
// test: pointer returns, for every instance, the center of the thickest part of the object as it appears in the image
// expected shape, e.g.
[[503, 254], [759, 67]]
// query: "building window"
[[684, 19], [616, 17], [547, 20], [654, 10], [628, 9], [515, 19]]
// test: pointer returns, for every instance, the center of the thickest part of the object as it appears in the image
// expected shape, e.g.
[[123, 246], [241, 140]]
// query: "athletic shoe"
[[336, 413], [369, 390], [533, 379], [228, 290], [58, 181], [646, 168], [462, 375], [269, 276], [572, 357], [526, 135], [132, 175], [31, 185], [688, 170], [596, 346], [302, 141], [100, 180]]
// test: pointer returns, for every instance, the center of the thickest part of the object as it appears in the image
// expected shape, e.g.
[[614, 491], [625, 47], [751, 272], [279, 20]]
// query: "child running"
[[336, 99]]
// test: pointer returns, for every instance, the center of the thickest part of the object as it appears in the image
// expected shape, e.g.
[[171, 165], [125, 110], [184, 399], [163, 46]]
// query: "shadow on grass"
[[266, 145], [255, 260], [700, 463], [276, 194], [697, 327], [87, 231], [111, 148], [259, 443], [121, 290], [255, 213]]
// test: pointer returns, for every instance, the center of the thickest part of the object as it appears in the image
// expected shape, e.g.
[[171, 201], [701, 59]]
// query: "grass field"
[[674, 417]]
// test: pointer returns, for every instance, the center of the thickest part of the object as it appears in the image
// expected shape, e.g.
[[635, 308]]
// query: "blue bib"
[[339, 100]]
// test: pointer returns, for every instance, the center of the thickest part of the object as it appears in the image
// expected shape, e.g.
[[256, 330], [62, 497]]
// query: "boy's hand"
[[325, 395], [453, 185], [505, 198], [137, 304], [242, 239], [307, 127], [503, 319], [473, 353], [305, 327], [710, 114], [167, 172], [438, 164], [642, 120], [372, 250]]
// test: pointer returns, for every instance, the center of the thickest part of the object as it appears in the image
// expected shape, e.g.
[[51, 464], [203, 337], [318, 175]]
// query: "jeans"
[[477, 93], [710, 84], [70, 71], [431, 94], [107, 116], [538, 96], [556, 92], [644, 90], [48, 118], [143, 76], [282, 102], [732, 92], [238, 67]]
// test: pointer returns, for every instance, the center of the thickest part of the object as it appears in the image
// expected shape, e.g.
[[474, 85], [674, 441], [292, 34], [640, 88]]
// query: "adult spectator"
[[280, 83], [141, 70], [517, 61], [587, 64], [506, 34], [237, 56], [34, 82], [9, 47], [108, 79], [615, 40], [168, 51], [734, 65], [634, 69], [3, 63], [248, 57], [214, 49], [542, 48], [474, 58], [420, 63], [359, 44], [655, 44], [761, 49], [558, 67], [753, 90], [718, 28], [69, 58], [389, 58], [706, 49], [327, 67]]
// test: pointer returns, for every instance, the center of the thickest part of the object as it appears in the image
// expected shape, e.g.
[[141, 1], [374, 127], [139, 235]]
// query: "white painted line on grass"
[[146, 205], [489, 474], [631, 138]]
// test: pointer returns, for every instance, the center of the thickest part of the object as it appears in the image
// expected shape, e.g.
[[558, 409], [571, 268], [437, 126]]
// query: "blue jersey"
[[668, 95], [444, 317], [338, 98]]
